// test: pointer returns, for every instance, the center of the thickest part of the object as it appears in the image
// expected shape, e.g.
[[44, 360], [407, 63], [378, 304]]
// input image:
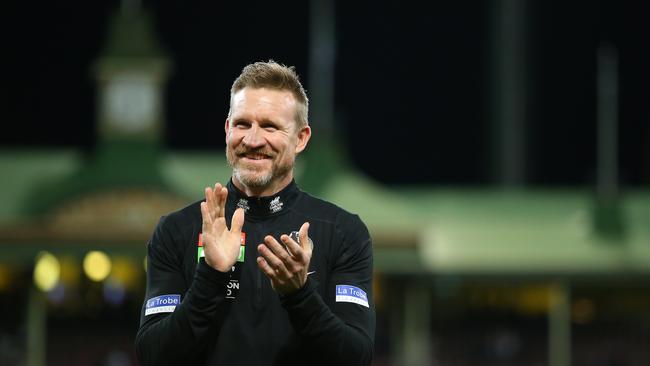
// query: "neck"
[[270, 189]]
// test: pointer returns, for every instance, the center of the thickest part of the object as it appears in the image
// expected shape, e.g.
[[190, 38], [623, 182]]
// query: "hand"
[[287, 270], [220, 245]]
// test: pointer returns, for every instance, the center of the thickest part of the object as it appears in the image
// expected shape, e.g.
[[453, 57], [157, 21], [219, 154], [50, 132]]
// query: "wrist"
[[218, 267], [206, 271], [306, 288]]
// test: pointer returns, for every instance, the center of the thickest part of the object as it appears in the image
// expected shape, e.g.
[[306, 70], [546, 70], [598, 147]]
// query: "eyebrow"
[[269, 121], [262, 123]]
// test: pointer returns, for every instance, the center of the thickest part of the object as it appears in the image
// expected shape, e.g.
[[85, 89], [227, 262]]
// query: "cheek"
[[233, 139], [276, 143]]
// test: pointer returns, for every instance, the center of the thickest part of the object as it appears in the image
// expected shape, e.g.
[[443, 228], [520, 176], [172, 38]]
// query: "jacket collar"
[[262, 206]]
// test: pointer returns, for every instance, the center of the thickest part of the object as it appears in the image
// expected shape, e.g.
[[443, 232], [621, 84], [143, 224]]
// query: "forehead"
[[263, 102]]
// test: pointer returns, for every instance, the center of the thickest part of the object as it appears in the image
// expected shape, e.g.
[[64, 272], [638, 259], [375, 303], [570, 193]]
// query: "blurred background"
[[498, 150]]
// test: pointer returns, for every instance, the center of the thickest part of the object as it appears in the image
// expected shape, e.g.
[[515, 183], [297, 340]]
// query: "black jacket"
[[194, 314]]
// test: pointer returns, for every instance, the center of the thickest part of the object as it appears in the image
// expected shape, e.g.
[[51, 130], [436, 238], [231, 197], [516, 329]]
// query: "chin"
[[252, 179]]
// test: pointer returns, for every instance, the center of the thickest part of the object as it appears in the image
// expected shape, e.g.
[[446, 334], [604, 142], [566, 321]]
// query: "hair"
[[273, 75]]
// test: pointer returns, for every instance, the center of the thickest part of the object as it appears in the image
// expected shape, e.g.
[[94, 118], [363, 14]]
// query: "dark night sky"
[[412, 80]]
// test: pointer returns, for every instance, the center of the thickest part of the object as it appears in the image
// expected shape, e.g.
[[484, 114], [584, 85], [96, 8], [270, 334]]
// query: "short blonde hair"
[[273, 75]]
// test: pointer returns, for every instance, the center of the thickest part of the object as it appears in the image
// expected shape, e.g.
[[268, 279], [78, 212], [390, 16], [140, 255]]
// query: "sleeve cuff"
[[298, 297], [205, 273]]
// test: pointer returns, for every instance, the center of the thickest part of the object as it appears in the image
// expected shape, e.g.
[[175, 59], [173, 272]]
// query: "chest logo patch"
[[353, 294]]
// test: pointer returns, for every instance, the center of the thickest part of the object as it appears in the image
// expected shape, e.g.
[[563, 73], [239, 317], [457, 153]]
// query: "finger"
[[223, 195], [295, 251], [273, 261], [237, 221], [305, 242], [215, 204], [208, 197], [264, 266], [278, 249], [209, 200], [207, 220]]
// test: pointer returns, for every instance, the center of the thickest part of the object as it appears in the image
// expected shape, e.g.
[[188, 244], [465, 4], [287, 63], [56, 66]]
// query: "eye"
[[269, 126], [242, 124]]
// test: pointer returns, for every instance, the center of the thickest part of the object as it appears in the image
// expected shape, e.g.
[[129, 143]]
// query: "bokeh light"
[[97, 265], [47, 271]]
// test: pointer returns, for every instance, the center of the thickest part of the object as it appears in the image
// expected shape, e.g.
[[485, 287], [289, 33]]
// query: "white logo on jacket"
[[276, 205], [243, 203]]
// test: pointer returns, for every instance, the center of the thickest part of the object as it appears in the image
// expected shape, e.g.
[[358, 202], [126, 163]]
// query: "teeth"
[[255, 157]]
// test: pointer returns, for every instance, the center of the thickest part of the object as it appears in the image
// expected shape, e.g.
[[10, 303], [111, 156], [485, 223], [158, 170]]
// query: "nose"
[[253, 137]]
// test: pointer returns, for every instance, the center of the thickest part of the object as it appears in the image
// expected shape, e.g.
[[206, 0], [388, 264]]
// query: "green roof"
[[415, 229]]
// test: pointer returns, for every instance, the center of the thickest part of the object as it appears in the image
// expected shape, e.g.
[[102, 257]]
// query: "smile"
[[255, 156]]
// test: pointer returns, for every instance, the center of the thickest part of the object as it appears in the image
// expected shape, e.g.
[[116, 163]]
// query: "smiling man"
[[263, 138], [259, 272]]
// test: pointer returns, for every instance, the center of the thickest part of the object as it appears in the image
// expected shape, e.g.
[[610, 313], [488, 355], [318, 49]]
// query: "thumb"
[[237, 221], [304, 236]]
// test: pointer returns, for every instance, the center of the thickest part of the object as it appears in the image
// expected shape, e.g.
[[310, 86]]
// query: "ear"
[[303, 138], [227, 129]]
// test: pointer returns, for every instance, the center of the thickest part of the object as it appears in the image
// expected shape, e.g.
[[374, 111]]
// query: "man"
[[288, 282]]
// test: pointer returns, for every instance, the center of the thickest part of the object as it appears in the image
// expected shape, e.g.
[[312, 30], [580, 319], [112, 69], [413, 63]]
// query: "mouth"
[[254, 156]]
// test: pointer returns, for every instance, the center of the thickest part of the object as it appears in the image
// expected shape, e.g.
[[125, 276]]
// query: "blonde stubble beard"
[[251, 177]]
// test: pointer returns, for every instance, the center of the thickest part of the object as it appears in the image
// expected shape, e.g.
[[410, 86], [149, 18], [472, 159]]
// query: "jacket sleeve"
[[177, 333], [341, 327]]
